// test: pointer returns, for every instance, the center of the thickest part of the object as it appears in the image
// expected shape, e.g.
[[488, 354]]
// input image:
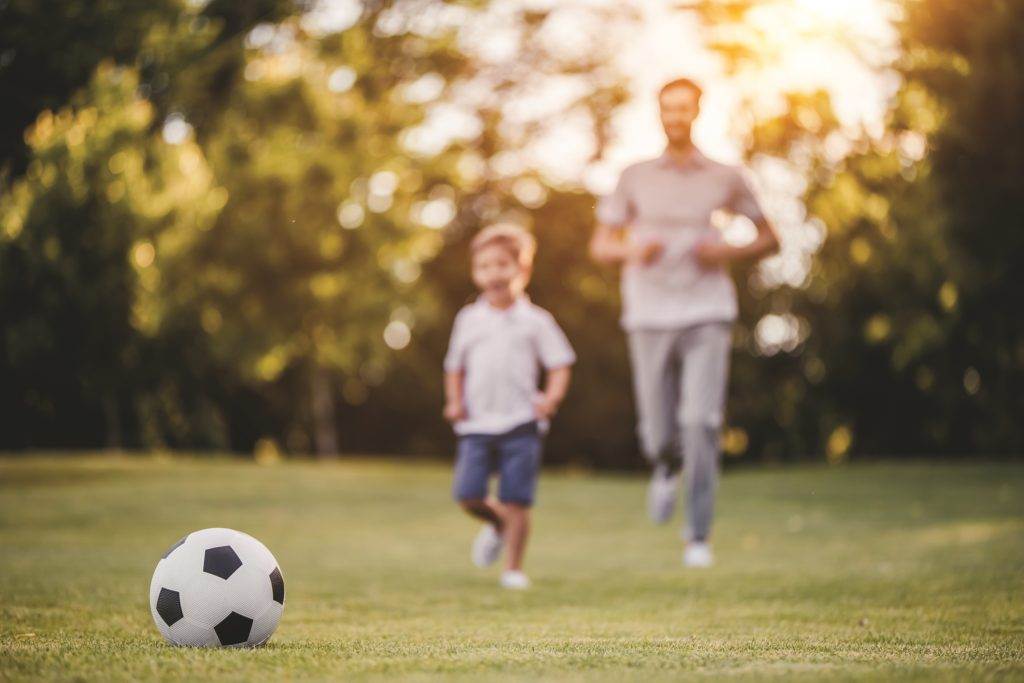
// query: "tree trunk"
[[326, 434], [112, 415]]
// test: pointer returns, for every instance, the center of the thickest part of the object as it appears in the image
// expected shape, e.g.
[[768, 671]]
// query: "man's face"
[[679, 109], [496, 271]]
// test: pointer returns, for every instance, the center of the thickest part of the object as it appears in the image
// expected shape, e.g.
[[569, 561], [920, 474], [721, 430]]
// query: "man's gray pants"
[[679, 379]]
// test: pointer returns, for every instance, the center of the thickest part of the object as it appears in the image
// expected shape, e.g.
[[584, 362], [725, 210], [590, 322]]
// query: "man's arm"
[[556, 384], [712, 254], [610, 246]]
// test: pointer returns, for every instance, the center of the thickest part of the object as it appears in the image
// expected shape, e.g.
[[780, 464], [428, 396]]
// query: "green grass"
[[910, 571]]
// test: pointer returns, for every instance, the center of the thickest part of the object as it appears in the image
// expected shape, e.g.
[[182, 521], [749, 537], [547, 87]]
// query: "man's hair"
[[681, 83], [519, 243]]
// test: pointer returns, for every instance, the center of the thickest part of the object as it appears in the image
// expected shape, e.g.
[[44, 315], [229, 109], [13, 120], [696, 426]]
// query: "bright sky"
[[810, 44], [836, 45], [807, 37]]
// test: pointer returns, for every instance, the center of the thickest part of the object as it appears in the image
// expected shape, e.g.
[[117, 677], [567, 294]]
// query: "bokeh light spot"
[[878, 328], [341, 79], [350, 215], [948, 295], [397, 335], [176, 129], [143, 254], [860, 250], [972, 381], [838, 445]]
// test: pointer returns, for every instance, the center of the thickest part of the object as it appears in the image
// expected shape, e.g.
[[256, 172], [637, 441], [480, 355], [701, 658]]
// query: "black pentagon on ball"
[[277, 585], [221, 561], [234, 629], [168, 606], [174, 547]]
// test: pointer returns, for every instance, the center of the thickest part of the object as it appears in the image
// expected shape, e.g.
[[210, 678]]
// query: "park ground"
[[866, 571]]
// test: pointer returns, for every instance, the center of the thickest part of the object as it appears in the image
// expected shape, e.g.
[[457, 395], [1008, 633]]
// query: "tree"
[[79, 260], [334, 191], [914, 217], [50, 48]]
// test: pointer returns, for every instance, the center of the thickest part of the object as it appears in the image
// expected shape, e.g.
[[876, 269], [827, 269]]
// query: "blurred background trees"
[[913, 345], [225, 222]]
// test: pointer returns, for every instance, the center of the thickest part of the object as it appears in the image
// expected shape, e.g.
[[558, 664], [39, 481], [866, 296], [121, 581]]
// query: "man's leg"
[[656, 389], [705, 353]]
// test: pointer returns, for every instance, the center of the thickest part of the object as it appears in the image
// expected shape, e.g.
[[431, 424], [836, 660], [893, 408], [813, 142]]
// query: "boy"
[[497, 347]]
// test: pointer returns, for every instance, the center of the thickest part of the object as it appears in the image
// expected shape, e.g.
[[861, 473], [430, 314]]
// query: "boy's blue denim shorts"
[[514, 455]]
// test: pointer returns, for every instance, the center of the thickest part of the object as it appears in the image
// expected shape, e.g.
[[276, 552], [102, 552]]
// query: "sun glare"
[[835, 10]]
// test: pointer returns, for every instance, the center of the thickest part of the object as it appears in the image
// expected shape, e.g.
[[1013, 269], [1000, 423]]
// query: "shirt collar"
[[518, 306], [696, 160]]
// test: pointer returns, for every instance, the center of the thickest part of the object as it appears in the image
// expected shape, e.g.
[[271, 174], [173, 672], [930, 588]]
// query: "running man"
[[678, 306]]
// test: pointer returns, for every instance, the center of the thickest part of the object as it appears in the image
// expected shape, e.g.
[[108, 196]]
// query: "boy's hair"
[[509, 236]]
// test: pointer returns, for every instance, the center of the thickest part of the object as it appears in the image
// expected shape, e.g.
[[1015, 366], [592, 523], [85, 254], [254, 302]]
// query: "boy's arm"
[[556, 384], [454, 410]]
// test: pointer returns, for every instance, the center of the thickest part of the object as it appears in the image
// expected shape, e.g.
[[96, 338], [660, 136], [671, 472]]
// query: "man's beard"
[[679, 137]]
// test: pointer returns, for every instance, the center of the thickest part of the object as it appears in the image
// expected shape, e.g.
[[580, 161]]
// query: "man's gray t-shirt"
[[663, 199]]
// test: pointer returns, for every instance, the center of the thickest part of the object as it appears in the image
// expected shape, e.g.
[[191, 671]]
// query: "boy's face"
[[496, 271]]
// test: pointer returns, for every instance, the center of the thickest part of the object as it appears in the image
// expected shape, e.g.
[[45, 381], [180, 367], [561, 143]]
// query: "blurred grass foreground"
[[894, 571]]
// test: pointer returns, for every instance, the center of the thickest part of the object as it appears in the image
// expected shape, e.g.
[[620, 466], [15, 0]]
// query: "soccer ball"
[[217, 587]]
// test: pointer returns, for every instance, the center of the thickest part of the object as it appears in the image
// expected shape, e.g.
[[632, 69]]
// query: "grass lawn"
[[909, 571]]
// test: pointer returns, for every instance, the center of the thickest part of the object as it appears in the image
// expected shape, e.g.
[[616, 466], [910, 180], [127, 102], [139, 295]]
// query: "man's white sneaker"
[[514, 580], [698, 555], [487, 546], [662, 493]]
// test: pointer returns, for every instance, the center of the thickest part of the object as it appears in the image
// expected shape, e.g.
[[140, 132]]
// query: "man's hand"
[[454, 411], [610, 244], [646, 252], [713, 253], [545, 407]]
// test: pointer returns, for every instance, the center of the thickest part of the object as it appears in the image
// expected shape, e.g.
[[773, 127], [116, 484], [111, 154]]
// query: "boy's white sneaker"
[[698, 555], [662, 493], [514, 580], [487, 546]]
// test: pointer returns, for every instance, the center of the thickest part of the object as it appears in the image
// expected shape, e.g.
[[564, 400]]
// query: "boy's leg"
[[519, 452], [472, 471], [486, 510], [517, 530], [705, 351]]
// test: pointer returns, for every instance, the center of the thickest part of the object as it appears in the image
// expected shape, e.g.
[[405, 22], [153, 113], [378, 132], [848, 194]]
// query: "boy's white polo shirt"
[[501, 353]]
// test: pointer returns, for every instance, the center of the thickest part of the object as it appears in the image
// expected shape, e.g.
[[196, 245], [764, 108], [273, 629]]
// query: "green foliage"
[[79, 271], [50, 48], [976, 162], [224, 225], [914, 343], [279, 244]]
